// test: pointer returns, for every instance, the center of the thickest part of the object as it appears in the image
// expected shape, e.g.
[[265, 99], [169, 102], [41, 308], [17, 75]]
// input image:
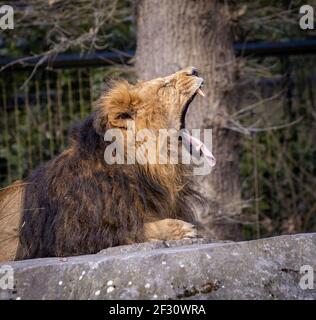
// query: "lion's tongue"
[[200, 146]]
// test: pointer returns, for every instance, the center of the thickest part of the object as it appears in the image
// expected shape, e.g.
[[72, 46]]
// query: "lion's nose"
[[192, 71]]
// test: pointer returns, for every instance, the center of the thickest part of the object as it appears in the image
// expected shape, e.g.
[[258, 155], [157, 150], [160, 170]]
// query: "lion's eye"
[[124, 116]]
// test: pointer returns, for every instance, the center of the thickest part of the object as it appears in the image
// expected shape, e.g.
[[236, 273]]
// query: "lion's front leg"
[[169, 229]]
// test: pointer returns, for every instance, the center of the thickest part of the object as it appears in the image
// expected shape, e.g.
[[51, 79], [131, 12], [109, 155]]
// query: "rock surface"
[[189, 269]]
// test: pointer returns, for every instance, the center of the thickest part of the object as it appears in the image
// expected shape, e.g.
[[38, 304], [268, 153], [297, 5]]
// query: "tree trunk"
[[180, 33]]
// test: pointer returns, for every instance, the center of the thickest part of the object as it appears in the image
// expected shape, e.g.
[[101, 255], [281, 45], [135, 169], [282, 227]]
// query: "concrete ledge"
[[188, 269]]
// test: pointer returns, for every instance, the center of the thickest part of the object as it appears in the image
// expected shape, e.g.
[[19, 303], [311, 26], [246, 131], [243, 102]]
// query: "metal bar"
[[295, 47], [17, 130], [60, 111], [49, 118], [71, 60], [29, 128], [39, 120], [81, 100], [6, 131], [70, 98]]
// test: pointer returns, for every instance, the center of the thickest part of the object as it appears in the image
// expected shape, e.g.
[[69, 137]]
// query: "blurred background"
[[260, 72]]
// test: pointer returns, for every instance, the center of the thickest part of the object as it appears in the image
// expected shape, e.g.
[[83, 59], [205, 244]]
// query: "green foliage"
[[284, 158]]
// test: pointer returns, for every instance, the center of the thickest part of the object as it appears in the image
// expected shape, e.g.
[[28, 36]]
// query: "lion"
[[77, 204]]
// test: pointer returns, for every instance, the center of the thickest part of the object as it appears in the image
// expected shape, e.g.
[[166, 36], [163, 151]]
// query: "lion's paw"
[[170, 229], [179, 229]]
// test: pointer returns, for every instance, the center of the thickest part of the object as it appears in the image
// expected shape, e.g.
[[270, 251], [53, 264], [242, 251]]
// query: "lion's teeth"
[[200, 92]]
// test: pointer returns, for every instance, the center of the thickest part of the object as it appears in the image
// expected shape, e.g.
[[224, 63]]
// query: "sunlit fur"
[[77, 204]]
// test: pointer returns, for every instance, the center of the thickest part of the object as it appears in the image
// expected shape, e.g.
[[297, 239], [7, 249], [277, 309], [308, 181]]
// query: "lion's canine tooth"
[[200, 92]]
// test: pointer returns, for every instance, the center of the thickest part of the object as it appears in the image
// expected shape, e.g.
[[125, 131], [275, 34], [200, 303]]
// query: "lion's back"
[[11, 202]]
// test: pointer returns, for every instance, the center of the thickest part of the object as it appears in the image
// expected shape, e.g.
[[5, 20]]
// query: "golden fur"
[[11, 201]]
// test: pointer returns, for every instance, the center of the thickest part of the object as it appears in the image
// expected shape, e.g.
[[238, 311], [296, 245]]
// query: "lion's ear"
[[100, 122], [115, 108]]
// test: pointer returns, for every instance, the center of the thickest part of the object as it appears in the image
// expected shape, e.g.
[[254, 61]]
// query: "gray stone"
[[188, 269]]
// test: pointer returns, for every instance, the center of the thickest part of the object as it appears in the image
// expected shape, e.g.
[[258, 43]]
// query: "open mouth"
[[185, 111], [186, 107], [196, 146]]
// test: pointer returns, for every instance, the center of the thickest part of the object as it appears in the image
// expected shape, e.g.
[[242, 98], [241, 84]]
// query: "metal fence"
[[35, 118]]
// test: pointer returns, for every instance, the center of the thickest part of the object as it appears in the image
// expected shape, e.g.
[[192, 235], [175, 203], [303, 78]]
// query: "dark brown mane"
[[76, 204]]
